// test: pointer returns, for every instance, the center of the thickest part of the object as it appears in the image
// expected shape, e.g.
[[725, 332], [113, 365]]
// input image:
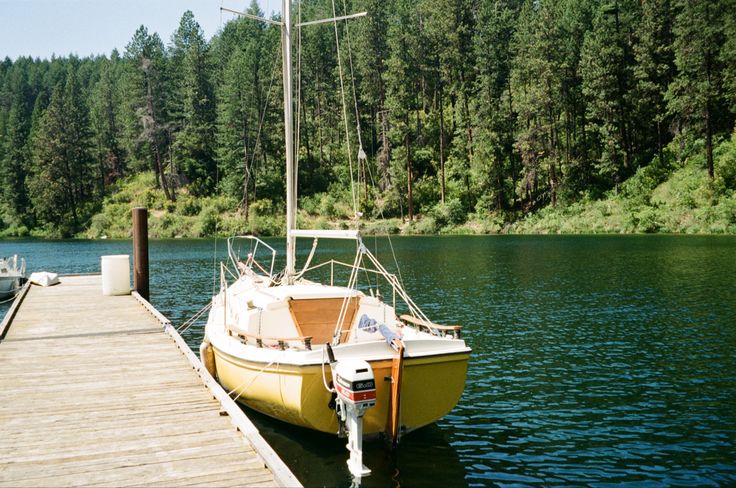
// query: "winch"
[[355, 386]]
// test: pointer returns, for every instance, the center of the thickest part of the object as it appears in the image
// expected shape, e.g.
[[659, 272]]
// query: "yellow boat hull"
[[430, 388]]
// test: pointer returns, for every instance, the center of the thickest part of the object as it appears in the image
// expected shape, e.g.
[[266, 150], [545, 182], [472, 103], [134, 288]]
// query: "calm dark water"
[[597, 360]]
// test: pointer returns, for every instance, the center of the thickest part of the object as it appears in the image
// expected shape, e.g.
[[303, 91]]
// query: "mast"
[[289, 122], [288, 139]]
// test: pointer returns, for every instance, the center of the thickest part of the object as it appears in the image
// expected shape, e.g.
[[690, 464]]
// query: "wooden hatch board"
[[318, 317]]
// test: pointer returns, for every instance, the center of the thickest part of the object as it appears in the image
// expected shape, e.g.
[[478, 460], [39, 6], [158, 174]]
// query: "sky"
[[41, 28]]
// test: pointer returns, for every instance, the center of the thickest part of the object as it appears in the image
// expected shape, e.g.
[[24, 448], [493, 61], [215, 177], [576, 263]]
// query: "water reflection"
[[423, 458]]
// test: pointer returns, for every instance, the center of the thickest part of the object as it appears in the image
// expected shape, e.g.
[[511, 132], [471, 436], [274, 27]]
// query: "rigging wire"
[[248, 382], [388, 236], [263, 113], [362, 158], [352, 77], [191, 320], [361, 153], [298, 98], [345, 114]]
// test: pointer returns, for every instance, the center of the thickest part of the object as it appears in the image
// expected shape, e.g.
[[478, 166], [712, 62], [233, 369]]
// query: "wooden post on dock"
[[140, 252]]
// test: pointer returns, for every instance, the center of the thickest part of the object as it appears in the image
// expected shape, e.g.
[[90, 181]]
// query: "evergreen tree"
[[193, 107], [105, 114], [446, 34], [536, 79], [241, 103], [655, 68], [607, 81], [728, 54], [62, 175], [403, 82], [494, 160], [371, 53], [695, 96], [14, 154], [144, 114]]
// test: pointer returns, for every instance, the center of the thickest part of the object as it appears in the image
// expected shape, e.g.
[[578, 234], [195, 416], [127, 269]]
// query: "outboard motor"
[[356, 392]]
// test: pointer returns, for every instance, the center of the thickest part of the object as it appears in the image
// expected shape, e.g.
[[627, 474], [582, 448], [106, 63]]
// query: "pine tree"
[[728, 55], [14, 154], [537, 79], [695, 96], [403, 83], [144, 114], [105, 118], [494, 117], [371, 54], [61, 180], [241, 99], [655, 68], [193, 107], [607, 81], [446, 34]]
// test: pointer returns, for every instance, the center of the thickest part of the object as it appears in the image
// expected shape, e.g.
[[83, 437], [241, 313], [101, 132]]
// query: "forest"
[[429, 113]]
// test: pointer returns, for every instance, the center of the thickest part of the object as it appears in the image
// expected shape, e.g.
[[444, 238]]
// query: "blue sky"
[[40, 28]]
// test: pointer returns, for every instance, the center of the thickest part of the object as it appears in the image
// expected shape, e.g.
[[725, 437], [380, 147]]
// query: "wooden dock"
[[101, 390]]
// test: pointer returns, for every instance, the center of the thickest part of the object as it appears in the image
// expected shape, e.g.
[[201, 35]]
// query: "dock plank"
[[96, 392]]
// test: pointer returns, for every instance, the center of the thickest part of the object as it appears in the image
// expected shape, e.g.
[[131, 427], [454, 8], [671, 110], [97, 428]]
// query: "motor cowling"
[[355, 384]]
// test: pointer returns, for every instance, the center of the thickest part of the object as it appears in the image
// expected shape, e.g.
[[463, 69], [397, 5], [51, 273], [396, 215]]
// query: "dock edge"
[[281, 472], [10, 314]]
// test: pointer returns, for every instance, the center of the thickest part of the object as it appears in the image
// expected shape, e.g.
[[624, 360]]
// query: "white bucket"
[[116, 274]]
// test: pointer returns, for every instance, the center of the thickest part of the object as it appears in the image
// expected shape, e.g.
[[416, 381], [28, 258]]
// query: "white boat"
[[12, 273], [335, 357]]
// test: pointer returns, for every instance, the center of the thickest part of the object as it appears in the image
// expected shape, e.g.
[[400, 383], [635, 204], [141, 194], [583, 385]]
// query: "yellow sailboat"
[[328, 357]]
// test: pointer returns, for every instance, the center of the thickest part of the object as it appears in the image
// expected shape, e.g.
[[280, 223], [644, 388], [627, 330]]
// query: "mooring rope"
[[189, 322], [250, 382]]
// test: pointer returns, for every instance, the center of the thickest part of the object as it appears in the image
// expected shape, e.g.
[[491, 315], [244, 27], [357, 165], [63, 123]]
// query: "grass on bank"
[[681, 199], [186, 217]]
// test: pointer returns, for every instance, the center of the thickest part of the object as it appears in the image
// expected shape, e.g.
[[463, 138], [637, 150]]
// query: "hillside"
[[678, 199]]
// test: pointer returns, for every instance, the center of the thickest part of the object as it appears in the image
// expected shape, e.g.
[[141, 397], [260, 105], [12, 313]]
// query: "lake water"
[[597, 360]]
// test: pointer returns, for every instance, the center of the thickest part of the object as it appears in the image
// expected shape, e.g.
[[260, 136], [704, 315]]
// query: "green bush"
[[725, 163], [389, 204], [381, 227], [15, 230], [188, 205], [233, 225], [646, 220], [425, 225], [262, 207], [267, 225], [449, 213], [208, 223], [99, 225]]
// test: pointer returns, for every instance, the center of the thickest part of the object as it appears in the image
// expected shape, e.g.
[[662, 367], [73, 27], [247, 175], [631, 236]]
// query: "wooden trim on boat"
[[281, 341], [383, 362], [455, 329], [393, 422]]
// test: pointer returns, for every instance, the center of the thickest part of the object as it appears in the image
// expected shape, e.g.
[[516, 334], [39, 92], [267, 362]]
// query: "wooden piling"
[[140, 252]]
